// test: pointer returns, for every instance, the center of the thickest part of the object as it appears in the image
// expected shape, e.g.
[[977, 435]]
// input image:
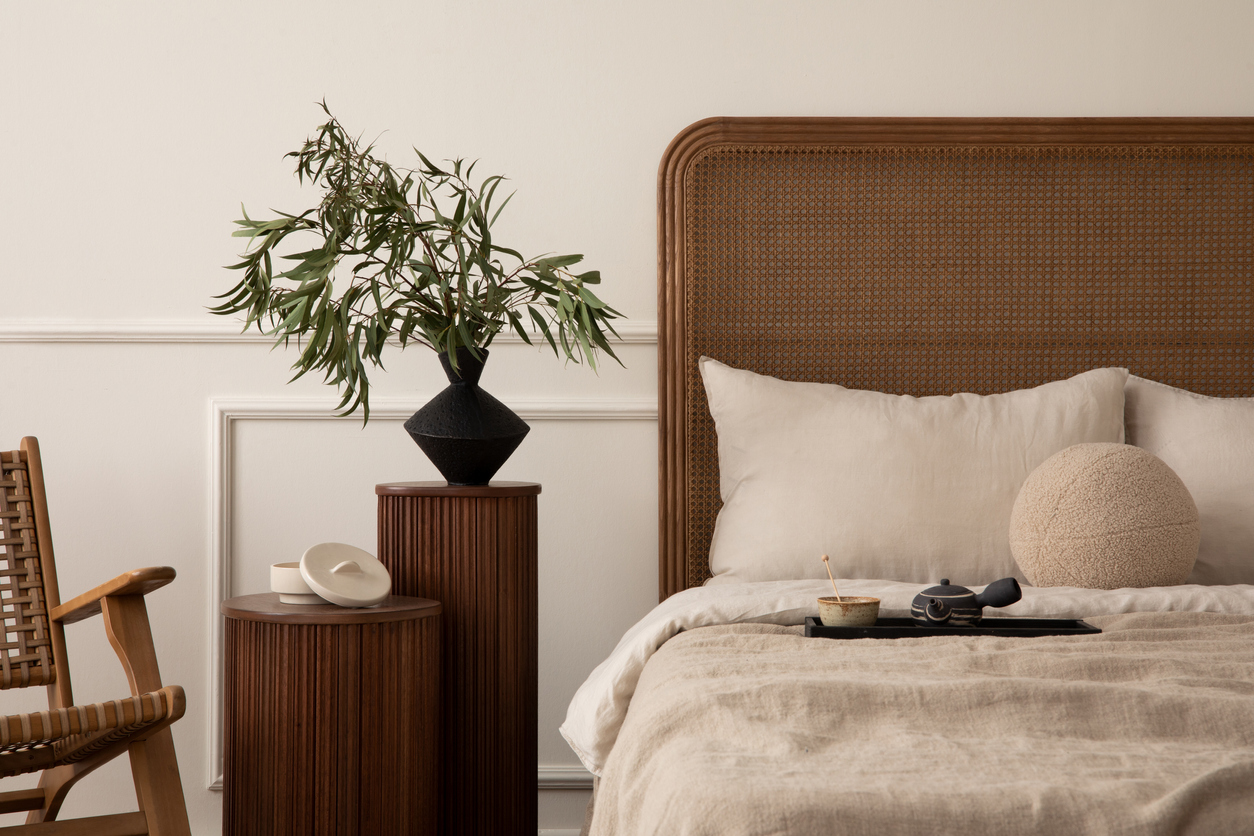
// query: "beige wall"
[[133, 131]]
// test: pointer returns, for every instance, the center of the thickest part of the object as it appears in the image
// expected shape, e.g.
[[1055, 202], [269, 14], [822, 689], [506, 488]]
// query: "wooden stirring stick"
[[830, 578]]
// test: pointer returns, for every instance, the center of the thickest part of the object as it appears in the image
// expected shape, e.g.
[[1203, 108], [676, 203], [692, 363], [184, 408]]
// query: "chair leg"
[[158, 786], [56, 783], [153, 764], [158, 790]]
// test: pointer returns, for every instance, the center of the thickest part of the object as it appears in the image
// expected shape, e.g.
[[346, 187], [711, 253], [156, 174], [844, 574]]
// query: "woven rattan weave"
[[26, 650], [29, 742], [938, 256]]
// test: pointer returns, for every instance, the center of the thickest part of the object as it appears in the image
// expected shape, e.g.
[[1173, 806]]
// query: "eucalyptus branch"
[[463, 290]]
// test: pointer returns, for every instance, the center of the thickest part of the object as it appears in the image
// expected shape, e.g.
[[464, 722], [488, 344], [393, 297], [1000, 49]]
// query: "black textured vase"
[[467, 433]]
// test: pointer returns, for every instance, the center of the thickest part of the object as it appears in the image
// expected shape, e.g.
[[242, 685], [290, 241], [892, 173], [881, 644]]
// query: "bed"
[[901, 261]]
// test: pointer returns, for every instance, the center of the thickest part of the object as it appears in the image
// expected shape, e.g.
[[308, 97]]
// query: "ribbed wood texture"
[[933, 256], [332, 728], [476, 553]]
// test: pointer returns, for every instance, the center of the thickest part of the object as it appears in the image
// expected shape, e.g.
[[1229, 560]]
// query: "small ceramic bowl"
[[286, 579], [848, 611]]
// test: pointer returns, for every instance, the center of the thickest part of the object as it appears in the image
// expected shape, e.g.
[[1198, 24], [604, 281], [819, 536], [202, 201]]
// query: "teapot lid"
[[946, 588]]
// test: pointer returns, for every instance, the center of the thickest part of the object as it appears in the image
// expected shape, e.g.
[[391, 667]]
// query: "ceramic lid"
[[345, 575], [945, 590]]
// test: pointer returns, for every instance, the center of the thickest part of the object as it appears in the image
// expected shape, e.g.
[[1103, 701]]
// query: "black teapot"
[[958, 606]]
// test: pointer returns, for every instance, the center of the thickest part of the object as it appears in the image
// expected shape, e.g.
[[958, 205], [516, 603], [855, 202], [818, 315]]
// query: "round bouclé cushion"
[[1104, 516]]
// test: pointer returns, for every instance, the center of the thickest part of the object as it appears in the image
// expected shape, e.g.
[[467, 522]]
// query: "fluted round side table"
[[474, 548], [331, 718]]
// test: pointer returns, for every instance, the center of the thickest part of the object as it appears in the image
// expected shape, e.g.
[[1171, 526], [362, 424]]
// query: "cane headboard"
[[932, 256]]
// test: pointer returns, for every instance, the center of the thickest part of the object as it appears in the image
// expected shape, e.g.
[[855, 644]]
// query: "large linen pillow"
[[890, 486], [1209, 443]]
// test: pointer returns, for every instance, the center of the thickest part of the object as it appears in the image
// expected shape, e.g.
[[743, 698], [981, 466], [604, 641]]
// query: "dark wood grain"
[[494, 489], [475, 551], [267, 607], [332, 727]]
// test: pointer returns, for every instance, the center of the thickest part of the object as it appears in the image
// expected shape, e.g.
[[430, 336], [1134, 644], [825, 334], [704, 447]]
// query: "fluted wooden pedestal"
[[332, 718], [474, 550]]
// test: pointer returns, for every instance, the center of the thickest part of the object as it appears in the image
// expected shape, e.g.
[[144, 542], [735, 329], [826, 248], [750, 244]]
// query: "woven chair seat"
[[39, 740]]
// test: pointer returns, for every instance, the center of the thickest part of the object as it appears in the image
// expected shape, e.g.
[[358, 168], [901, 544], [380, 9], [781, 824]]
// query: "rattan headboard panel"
[[938, 256]]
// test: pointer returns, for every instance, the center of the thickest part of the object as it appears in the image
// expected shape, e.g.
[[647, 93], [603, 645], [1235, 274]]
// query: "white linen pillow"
[[1209, 443], [890, 486]]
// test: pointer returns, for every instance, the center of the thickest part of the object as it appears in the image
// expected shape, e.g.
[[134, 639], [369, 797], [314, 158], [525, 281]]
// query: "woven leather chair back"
[[940, 256], [26, 651]]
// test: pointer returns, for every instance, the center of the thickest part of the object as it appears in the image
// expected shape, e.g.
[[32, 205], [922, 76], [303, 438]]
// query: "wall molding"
[[225, 412], [211, 329]]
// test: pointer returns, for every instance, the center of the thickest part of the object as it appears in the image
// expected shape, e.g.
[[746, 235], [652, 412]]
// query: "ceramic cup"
[[848, 611], [285, 579]]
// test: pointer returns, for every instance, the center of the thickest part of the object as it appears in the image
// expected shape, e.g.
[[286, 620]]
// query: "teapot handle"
[[1000, 593]]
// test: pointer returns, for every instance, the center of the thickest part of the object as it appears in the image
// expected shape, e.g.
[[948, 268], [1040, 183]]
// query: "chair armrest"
[[138, 582]]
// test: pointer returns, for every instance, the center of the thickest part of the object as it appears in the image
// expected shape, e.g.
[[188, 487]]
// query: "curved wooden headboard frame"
[[1218, 325]]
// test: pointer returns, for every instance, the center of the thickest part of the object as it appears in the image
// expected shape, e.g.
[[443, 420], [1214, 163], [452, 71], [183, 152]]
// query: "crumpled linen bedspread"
[[753, 729]]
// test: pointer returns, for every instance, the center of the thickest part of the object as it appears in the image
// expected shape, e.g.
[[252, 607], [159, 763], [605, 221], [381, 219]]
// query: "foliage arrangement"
[[382, 257]]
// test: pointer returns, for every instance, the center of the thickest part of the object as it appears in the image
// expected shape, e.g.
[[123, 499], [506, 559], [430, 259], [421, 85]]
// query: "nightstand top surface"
[[266, 607], [493, 489]]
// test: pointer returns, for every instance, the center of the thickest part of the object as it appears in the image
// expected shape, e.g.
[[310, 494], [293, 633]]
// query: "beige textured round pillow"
[[1104, 516]]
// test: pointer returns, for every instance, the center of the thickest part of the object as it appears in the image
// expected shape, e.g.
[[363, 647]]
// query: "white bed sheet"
[[599, 706]]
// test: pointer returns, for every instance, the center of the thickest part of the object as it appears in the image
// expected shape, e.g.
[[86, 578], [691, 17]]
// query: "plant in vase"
[[407, 256]]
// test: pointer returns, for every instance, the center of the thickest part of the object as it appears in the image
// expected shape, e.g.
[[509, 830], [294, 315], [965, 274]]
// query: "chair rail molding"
[[225, 412], [213, 330]]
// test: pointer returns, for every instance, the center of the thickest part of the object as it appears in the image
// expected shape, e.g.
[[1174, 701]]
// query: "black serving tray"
[[905, 628]]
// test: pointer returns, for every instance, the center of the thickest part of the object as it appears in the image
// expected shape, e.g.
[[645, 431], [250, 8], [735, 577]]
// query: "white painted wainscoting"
[[226, 414]]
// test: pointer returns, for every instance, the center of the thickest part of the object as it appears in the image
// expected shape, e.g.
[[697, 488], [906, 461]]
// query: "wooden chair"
[[68, 741]]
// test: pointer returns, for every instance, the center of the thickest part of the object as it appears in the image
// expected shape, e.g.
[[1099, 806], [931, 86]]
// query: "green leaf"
[[555, 261], [542, 326], [590, 298], [516, 323]]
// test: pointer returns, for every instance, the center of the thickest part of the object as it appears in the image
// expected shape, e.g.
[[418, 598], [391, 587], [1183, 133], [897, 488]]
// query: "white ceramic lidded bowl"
[[848, 611], [286, 579]]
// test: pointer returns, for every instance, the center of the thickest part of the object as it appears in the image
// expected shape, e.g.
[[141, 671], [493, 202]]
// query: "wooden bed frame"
[[932, 256]]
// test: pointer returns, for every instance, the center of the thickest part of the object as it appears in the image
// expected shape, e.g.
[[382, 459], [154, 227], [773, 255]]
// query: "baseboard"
[[548, 777], [556, 777]]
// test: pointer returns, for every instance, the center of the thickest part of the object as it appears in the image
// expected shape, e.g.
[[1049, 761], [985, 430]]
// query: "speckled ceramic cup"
[[848, 611]]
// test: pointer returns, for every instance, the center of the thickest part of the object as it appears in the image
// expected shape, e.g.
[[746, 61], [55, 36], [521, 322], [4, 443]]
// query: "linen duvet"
[[715, 715]]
